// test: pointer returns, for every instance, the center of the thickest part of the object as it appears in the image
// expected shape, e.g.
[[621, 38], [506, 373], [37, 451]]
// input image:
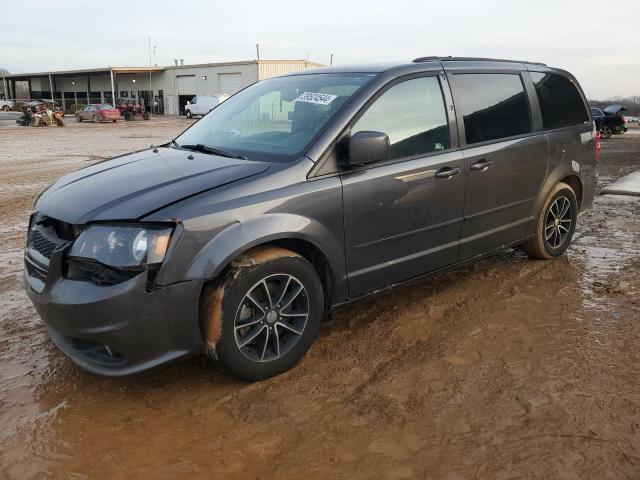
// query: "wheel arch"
[[562, 173], [301, 235], [212, 291]]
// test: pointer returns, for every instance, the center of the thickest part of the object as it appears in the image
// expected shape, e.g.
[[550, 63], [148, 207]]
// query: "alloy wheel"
[[271, 318], [557, 225]]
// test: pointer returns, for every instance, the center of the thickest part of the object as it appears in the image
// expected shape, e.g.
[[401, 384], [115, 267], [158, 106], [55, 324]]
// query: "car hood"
[[131, 186], [613, 109]]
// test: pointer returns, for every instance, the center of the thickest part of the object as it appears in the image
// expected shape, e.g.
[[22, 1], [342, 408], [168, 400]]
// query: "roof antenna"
[[331, 60], [258, 51]]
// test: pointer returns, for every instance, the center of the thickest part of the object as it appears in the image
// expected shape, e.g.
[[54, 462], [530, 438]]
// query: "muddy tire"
[[555, 224], [263, 317]]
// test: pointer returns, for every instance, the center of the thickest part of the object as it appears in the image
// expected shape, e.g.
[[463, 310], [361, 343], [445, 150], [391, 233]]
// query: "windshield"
[[275, 119]]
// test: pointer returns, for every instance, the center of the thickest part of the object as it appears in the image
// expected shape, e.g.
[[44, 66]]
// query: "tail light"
[[624, 119], [598, 146]]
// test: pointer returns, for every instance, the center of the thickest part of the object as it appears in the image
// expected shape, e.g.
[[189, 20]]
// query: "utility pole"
[[151, 98]]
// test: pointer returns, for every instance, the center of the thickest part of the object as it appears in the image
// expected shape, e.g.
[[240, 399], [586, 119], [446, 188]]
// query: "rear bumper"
[[120, 329]]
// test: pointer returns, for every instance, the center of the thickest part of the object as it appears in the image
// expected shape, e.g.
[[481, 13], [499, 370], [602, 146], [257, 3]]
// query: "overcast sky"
[[599, 42]]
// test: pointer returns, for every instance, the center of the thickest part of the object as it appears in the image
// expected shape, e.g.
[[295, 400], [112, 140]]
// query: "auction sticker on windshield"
[[317, 98]]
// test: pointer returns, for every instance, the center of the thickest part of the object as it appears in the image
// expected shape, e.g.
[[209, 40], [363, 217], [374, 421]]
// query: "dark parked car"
[[300, 193], [610, 121]]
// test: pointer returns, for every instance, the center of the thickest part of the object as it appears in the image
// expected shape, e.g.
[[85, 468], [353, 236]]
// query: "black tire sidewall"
[[569, 195], [228, 356]]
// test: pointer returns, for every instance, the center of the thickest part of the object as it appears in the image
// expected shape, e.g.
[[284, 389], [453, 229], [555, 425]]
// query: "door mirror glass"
[[367, 147]]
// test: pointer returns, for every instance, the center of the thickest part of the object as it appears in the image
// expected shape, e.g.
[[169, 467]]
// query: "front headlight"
[[123, 246]]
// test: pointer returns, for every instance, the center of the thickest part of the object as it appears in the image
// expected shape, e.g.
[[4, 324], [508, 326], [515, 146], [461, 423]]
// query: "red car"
[[98, 112]]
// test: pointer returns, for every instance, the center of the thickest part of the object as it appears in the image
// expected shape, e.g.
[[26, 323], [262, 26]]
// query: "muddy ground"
[[508, 369]]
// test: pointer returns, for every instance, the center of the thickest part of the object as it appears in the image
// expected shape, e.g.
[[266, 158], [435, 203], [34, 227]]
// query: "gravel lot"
[[507, 369]]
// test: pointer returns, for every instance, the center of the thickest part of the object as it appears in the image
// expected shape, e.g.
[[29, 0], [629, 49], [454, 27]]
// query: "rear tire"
[[281, 325], [78, 118], [6, 108], [555, 224], [607, 131], [146, 116], [96, 119], [188, 114]]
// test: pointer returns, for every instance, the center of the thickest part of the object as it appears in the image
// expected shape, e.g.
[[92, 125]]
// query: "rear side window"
[[493, 106], [413, 116], [560, 101]]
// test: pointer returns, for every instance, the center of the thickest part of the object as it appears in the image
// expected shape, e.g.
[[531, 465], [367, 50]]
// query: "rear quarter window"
[[493, 106], [560, 102]]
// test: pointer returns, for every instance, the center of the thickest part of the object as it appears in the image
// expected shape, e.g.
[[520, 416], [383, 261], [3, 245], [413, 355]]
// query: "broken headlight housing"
[[123, 246]]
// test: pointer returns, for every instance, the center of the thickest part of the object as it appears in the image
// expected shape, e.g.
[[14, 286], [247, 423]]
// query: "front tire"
[[188, 114], [272, 306], [6, 108], [78, 119], [555, 224]]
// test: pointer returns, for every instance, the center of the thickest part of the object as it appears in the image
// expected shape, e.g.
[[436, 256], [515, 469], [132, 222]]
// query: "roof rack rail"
[[471, 59]]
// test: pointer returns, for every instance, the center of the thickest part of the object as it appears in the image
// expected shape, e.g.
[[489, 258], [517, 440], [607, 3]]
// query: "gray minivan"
[[300, 193]]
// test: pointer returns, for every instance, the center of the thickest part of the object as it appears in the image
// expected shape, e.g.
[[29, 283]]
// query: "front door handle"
[[480, 166], [447, 172]]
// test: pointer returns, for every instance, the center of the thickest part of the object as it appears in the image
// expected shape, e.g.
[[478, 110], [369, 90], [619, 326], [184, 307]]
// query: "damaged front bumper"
[[119, 329]]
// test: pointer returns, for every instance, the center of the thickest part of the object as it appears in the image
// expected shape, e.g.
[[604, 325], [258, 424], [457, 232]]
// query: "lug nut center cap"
[[272, 316]]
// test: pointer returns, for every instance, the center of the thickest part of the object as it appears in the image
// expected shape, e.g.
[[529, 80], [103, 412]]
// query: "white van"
[[203, 104]]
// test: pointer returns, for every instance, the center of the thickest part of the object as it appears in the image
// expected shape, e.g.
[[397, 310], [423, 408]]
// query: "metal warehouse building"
[[166, 89]]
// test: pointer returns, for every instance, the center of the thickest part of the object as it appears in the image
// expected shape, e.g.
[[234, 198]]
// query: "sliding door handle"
[[447, 172], [480, 166]]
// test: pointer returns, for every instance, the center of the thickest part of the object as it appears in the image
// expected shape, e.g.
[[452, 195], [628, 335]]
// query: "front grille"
[[41, 244], [46, 234]]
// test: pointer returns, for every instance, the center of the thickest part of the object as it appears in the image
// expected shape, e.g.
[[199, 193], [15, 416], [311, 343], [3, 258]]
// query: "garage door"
[[230, 83], [187, 84]]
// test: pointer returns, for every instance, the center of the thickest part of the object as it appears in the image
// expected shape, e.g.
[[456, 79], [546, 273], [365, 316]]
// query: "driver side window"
[[413, 116]]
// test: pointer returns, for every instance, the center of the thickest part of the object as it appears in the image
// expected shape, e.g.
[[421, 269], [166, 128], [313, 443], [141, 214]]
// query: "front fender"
[[240, 236]]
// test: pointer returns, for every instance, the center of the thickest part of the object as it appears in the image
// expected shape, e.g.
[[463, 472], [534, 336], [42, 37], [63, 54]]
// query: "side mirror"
[[367, 147]]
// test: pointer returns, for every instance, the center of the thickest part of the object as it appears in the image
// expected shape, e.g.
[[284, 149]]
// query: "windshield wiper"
[[205, 149]]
